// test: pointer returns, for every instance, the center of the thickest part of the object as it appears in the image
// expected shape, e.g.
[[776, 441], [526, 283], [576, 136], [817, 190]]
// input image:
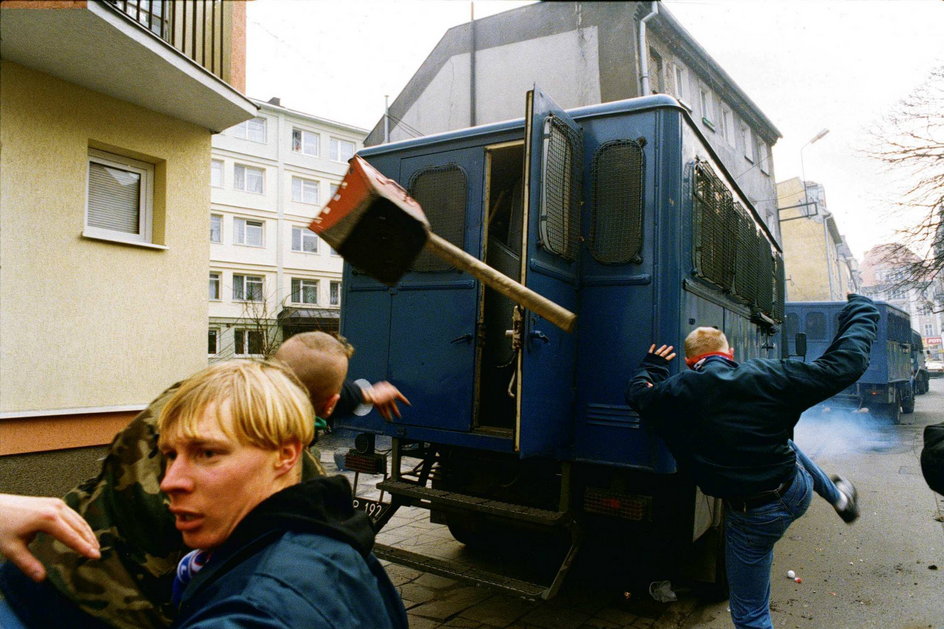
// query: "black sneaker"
[[850, 513]]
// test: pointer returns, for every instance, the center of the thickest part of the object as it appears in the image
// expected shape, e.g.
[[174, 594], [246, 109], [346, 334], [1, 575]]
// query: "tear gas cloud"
[[834, 432]]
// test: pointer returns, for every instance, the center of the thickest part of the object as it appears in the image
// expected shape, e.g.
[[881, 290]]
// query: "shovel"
[[377, 227]]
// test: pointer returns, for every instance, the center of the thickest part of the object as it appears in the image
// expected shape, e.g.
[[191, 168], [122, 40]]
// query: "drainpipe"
[[386, 119], [472, 65], [643, 52]]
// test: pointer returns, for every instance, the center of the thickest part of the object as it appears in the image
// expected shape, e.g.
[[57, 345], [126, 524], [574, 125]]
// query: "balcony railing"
[[200, 29]]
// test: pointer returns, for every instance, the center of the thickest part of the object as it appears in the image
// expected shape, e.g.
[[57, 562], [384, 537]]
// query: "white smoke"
[[834, 432]]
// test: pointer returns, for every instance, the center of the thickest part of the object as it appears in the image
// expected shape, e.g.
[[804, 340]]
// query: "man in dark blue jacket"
[[730, 424]]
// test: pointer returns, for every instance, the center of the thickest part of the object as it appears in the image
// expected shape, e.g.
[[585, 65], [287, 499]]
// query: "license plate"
[[373, 508]]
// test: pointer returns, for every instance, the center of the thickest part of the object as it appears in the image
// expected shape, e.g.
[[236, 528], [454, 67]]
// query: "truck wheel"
[[712, 585], [908, 400], [474, 532], [893, 411]]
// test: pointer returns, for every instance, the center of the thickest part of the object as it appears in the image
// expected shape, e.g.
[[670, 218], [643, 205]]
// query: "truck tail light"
[[617, 504]]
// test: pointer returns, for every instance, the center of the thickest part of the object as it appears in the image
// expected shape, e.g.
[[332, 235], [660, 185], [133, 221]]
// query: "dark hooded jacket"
[[301, 558], [728, 423]]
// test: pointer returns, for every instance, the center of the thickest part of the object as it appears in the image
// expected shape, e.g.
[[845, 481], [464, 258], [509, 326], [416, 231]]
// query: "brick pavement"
[[434, 601]]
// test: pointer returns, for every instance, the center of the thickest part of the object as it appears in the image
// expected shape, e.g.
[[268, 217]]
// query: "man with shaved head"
[[729, 424]]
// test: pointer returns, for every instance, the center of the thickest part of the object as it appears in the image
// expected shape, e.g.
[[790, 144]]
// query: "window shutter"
[[114, 199]]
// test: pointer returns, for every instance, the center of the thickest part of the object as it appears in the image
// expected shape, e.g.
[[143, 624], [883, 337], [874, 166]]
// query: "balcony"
[[173, 57], [200, 29]]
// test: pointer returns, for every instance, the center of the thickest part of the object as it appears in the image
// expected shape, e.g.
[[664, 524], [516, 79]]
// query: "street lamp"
[[806, 204], [816, 138]]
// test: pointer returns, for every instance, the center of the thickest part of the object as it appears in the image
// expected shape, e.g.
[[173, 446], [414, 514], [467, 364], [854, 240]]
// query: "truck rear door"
[[552, 188]]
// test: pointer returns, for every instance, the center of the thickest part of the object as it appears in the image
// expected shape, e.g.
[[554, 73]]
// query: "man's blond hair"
[[705, 340], [267, 405], [319, 361]]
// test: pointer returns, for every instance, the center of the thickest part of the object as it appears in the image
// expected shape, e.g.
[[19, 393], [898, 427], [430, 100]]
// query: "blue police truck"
[[887, 386], [619, 212]]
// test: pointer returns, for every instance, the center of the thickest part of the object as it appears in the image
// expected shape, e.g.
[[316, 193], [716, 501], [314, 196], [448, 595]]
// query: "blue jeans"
[[749, 549], [822, 484]]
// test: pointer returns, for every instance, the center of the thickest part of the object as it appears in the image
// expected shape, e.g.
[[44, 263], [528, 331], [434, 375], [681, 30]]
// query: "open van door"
[[553, 165]]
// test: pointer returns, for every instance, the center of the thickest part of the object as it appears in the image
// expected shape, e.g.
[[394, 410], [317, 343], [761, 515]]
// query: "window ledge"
[[708, 123], [120, 241]]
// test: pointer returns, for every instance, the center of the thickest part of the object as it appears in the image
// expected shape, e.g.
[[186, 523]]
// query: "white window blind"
[[119, 198]]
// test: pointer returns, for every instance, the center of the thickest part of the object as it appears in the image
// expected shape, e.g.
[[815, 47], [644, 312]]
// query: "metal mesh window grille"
[[716, 229], [560, 209], [441, 191], [777, 312], [616, 222], [746, 280], [765, 274]]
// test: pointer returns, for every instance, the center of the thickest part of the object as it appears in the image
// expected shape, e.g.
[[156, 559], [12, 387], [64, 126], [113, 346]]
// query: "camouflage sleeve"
[[130, 585]]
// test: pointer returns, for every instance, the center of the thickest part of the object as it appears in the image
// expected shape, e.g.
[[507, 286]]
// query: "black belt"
[[744, 503]]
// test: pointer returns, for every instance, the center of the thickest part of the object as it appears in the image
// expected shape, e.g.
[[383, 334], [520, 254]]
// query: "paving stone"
[[435, 581], [418, 622], [499, 610], [548, 617], [417, 593]]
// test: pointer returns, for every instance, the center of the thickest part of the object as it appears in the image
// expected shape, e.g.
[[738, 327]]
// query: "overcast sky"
[[808, 64]]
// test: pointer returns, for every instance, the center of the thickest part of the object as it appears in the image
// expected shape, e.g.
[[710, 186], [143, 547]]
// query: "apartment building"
[[584, 53], [107, 109], [270, 276], [883, 278], [818, 264]]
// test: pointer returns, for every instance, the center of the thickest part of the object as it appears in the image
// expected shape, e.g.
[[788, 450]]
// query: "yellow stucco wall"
[[86, 323], [804, 247]]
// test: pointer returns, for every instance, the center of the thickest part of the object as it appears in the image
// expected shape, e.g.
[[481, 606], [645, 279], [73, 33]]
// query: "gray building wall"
[[583, 53]]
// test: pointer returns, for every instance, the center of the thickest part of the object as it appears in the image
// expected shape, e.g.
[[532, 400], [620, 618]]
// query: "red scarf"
[[691, 362]]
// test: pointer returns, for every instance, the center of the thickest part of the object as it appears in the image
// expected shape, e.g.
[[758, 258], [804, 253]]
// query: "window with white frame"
[[247, 342], [334, 293], [216, 173], [304, 291], [247, 287], [214, 286], [929, 329], [304, 240], [213, 341], [306, 142], [681, 78], [304, 190], [249, 232], [748, 142], [254, 130], [340, 150], [727, 125], [707, 111], [120, 198], [249, 178], [216, 228], [762, 154]]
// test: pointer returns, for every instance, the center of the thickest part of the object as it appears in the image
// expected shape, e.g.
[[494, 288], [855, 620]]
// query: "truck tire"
[[715, 590], [908, 400]]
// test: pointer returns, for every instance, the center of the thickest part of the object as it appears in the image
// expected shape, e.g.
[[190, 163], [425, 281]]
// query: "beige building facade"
[[270, 276], [104, 199], [818, 263]]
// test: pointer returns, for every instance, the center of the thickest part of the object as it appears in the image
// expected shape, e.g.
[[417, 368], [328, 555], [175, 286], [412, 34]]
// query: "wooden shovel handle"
[[520, 294]]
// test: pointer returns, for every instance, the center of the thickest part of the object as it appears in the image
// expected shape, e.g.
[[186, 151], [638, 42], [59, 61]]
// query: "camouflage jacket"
[[130, 586]]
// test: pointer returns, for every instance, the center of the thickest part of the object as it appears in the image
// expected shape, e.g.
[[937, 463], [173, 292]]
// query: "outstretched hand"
[[384, 396], [21, 517], [664, 352]]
